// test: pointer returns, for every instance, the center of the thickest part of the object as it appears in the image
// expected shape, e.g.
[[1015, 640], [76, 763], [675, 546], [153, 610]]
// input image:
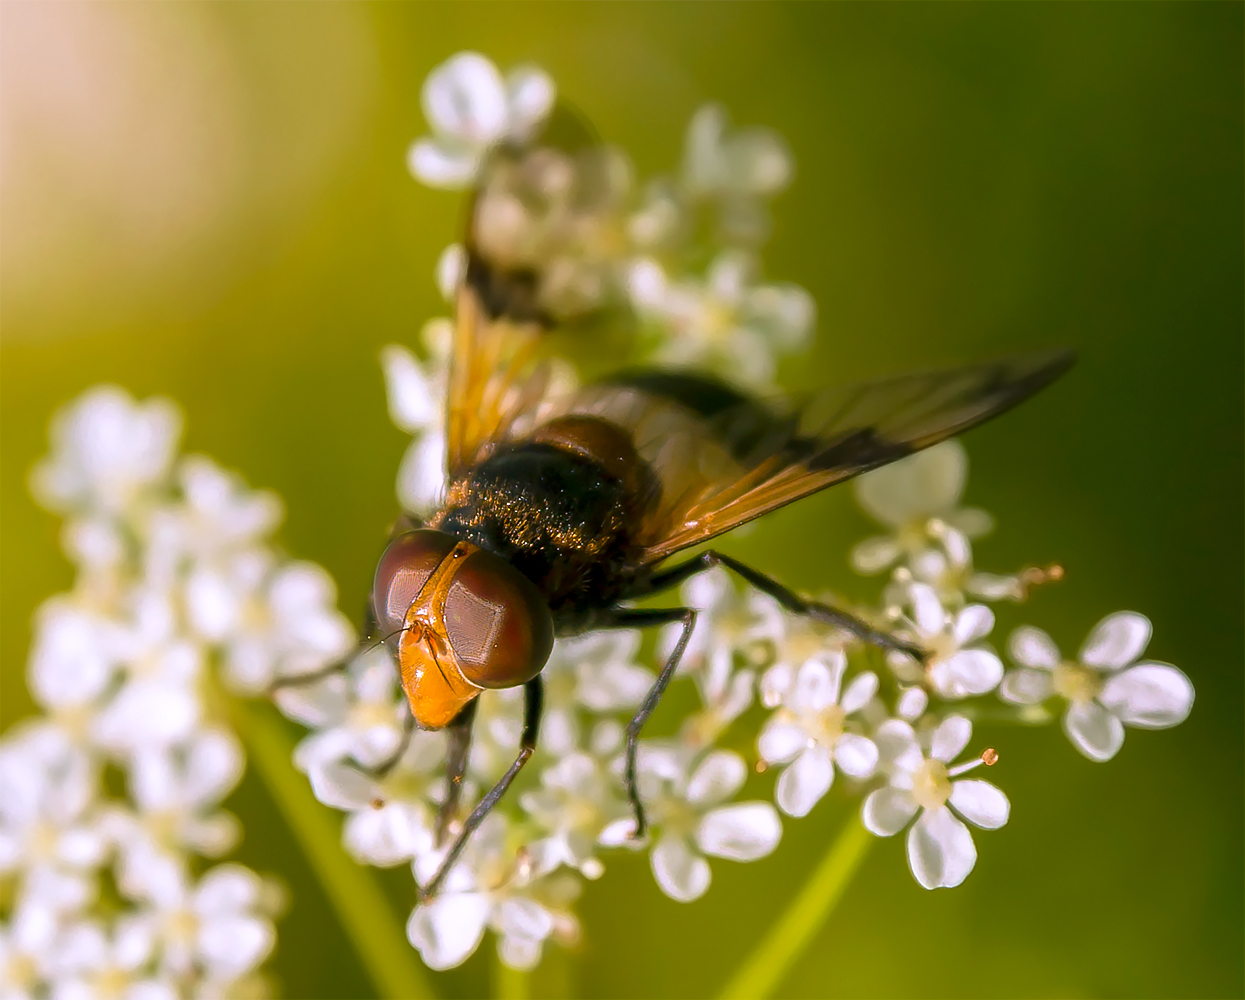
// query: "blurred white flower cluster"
[[680, 250], [111, 799]]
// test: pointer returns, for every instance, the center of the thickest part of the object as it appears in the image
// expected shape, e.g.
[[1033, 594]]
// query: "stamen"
[[761, 767], [989, 757]]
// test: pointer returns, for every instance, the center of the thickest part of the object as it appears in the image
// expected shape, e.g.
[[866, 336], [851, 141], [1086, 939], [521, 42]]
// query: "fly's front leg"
[[456, 752], [533, 701], [788, 599], [642, 618]]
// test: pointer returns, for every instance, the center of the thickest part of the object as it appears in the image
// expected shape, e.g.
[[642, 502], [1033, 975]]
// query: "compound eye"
[[402, 571], [497, 622]]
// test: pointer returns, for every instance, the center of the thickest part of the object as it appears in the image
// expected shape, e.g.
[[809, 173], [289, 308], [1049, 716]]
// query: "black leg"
[[533, 692], [641, 618], [789, 600], [459, 733], [381, 770]]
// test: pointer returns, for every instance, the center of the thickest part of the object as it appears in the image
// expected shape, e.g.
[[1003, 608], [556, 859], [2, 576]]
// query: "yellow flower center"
[[930, 785], [1076, 683], [827, 726]]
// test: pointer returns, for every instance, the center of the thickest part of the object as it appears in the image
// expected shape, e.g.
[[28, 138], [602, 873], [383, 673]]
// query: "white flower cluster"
[[890, 728], [111, 799], [680, 250]]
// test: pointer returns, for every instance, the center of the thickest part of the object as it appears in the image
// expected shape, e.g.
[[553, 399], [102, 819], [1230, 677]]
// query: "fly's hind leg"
[[789, 600], [643, 618]]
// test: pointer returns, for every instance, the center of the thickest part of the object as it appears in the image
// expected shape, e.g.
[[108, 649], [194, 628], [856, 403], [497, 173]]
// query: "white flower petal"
[[441, 165], [1116, 641], [464, 97], [342, 786], [802, 785], [815, 686], [1093, 730], [980, 803], [929, 482], [1031, 647], [856, 756], [897, 746], [530, 94], [718, 777], [888, 810], [927, 610], [1027, 687], [742, 832], [973, 623], [781, 741], [1149, 696], [940, 849], [234, 945], [447, 930], [859, 692], [911, 704], [524, 918], [413, 405], [950, 738], [680, 873], [968, 672], [874, 554]]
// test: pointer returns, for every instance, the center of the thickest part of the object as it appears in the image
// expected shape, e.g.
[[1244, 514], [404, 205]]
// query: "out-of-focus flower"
[[918, 498], [472, 108], [1106, 688], [728, 322], [940, 848], [107, 451]]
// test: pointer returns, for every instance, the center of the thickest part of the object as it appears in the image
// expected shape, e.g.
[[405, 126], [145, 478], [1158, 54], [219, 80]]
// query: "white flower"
[[471, 108], [493, 884], [958, 666], [95, 961], [415, 390], [687, 807], [940, 847], [271, 619], [597, 671], [729, 321], [177, 792], [577, 799], [357, 713], [107, 451], [918, 498], [391, 818], [48, 794], [220, 925], [807, 733], [735, 169], [1106, 690]]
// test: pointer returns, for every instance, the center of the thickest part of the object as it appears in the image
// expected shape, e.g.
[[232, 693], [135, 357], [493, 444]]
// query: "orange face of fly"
[[466, 620]]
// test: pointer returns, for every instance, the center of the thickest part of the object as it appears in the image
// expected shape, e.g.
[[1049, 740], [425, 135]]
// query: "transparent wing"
[[723, 458]]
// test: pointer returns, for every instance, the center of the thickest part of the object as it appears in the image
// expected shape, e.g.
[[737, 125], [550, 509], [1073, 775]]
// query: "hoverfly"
[[563, 508]]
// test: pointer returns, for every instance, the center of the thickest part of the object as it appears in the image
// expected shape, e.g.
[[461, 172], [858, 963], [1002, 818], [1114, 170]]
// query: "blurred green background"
[[210, 202]]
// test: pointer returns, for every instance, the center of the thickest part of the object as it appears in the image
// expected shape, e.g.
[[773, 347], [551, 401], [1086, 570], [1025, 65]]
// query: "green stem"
[[508, 983], [375, 931], [771, 960]]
